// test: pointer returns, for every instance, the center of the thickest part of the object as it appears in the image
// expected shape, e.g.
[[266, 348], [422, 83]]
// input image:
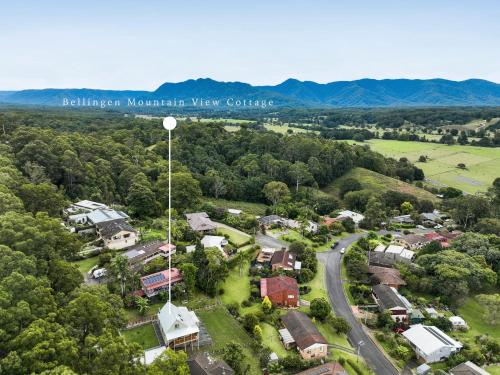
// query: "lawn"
[[86, 264], [247, 207], [152, 234], [493, 370], [144, 336], [318, 287], [223, 329], [293, 236], [271, 338], [378, 183], [236, 237], [482, 163], [236, 287], [472, 312], [133, 314]]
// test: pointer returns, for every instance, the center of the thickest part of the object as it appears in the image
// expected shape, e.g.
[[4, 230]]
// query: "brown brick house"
[[386, 276], [309, 341], [283, 260], [281, 290]]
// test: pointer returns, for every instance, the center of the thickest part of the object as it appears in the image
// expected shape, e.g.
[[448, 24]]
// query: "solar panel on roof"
[[153, 279]]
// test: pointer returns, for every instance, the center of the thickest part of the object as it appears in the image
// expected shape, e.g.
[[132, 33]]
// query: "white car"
[[98, 273], [342, 251]]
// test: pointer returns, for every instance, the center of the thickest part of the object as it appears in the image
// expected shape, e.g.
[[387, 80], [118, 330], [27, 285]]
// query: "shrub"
[[320, 308], [355, 367], [233, 309]]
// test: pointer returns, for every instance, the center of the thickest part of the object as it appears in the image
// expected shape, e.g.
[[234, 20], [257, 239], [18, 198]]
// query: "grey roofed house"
[[430, 216], [388, 298], [200, 222], [204, 364], [468, 368], [144, 252], [402, 219], [101, 216], [270, 220], [302, 329], [108, 229], [379, 258]]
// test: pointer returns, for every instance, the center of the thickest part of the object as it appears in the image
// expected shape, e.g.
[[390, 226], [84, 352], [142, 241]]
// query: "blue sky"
[[141, 44]]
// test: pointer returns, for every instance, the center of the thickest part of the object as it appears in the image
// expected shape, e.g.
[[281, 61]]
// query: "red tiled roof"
[[161, 278], [278, 284], [329, 220]]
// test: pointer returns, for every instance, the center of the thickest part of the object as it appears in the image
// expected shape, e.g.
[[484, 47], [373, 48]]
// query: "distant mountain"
[[359, 93]]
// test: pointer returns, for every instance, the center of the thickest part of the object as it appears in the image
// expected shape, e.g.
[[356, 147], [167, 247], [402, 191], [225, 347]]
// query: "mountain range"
[[290, 93]]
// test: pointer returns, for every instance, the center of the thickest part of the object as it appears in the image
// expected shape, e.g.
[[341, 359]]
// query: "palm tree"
[[142, 305], [120, 270], [240, 259]]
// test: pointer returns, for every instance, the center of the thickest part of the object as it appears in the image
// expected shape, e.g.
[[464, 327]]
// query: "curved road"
[[373, 356]]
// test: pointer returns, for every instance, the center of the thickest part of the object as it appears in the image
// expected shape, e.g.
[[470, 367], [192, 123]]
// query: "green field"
[[378, 183], [144, 336], [283, 129], [223, 328], [472, 312], [483, 163], [246, 207]]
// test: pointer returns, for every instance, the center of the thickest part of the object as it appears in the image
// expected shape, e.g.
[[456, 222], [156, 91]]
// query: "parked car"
[[101, 272], [342, 251], [334, 245]]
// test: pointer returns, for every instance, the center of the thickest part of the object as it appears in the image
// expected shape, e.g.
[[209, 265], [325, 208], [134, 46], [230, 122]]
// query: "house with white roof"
[[458, 322], [178, 326], [215, 241], [356, 217], [433, 314], [85, 206], [430, 343], [399, 253]]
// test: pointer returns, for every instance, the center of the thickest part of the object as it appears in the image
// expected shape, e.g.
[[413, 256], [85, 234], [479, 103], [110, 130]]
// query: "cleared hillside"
[[378, 183]]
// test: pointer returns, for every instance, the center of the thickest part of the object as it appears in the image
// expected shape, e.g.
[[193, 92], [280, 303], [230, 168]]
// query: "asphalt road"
[[373, 356], [264, 240]]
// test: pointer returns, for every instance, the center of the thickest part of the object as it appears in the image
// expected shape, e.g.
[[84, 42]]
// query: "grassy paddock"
[[248, 207], [378, 183], [482, 163]]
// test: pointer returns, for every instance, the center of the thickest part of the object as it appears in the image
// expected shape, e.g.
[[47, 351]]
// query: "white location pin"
[[169, 123]]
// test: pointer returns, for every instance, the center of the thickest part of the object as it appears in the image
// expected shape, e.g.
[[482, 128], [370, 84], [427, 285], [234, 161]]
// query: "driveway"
[[373, 356], [264, 240]]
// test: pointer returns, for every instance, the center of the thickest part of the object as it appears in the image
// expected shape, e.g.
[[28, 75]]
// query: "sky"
[[139, 45]]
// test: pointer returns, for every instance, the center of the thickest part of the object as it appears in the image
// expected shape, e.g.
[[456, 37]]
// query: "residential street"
[[373, 356], [264, 240]]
